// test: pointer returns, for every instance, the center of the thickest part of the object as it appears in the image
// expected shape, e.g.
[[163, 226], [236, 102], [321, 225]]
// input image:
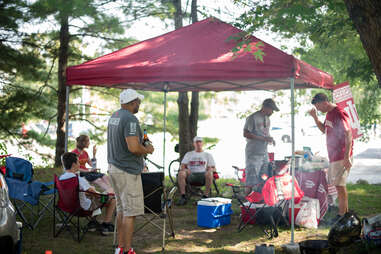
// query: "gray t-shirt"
[[259, 125], [123, 124]]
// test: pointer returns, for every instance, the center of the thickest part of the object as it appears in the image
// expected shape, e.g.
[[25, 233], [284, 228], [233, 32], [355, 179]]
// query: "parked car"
[[10, 229]]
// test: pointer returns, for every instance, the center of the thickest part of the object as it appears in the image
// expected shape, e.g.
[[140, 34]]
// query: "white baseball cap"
[[128, 95], [195, 139]]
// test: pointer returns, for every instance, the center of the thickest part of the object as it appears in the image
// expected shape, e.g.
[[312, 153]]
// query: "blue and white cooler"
[[213, 212]]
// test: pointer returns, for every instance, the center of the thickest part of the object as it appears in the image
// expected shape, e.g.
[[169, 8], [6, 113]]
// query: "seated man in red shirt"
[[196, 166]]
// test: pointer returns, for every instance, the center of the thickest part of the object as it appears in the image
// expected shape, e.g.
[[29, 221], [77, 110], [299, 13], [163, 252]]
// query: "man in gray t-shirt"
[[125, 153], [256, 132]]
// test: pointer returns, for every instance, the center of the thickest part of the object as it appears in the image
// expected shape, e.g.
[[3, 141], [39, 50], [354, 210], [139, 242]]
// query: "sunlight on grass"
[[364, 199]]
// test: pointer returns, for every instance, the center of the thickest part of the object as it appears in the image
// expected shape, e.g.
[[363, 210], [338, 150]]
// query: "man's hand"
[[313, 113], [149, 148], [347, 164], [270, 140]]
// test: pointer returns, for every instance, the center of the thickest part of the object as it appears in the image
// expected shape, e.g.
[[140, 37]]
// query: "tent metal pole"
[[292, 157], [67, 117], [165, 130], [165, 123]]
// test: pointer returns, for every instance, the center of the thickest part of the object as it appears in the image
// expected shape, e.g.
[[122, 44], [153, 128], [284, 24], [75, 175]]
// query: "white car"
[[10, 229]]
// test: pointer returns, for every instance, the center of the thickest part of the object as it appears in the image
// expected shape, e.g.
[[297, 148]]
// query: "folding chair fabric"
[[193, 188], [275, 193], [19, 168], [68, 206], [25, 193]]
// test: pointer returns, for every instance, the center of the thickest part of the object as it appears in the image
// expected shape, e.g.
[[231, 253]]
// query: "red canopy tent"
[[199, 57]]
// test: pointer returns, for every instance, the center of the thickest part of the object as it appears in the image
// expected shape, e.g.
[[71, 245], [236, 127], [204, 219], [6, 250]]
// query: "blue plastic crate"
[[213, 212]]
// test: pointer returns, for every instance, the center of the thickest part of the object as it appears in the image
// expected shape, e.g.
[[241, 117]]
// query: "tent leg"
[[165, 130], [164, 125], [67, 117], [293, 157]]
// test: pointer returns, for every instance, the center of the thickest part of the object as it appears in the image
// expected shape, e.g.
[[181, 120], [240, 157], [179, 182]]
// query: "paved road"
[[367, 165]]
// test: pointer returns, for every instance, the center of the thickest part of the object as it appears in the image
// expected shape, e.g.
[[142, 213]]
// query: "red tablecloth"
[[314, 185]]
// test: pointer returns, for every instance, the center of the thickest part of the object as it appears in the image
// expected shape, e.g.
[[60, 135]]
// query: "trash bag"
[[346, 230], [371, 233], [315, 247]]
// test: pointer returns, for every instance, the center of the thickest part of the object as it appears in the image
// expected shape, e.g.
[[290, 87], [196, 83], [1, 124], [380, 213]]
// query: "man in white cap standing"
[[125, 153], [257, 134], [196, 166]]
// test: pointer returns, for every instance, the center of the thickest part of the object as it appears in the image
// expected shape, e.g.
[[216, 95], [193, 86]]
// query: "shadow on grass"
[[364, 199]]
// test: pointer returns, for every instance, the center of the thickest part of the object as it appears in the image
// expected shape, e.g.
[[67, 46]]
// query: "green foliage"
[[328, 41], [29, 48], [245, 44]]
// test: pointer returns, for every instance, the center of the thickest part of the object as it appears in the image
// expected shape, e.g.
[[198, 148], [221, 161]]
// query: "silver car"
[[10, 229]]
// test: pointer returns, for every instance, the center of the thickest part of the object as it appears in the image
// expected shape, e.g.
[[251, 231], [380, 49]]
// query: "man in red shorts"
[[339, 145]]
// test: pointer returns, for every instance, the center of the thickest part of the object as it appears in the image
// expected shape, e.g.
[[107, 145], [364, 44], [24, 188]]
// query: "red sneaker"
[[131, 251]]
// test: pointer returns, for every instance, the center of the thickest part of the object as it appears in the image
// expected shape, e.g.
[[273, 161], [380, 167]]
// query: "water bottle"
[[94, 163]]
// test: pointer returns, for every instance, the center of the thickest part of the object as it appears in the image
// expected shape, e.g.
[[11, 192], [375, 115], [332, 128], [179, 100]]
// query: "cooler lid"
[[214, 201]]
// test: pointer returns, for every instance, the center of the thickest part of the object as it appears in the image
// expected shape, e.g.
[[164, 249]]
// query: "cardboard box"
[[213, 212]]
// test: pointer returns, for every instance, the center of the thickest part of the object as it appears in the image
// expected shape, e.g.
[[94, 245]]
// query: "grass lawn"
[[364, 199]]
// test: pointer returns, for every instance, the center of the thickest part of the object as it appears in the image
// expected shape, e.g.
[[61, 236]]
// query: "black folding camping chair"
[[158, 204]]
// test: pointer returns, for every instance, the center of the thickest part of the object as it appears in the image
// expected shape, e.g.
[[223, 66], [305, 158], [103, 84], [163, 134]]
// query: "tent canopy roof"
[[197, 57]]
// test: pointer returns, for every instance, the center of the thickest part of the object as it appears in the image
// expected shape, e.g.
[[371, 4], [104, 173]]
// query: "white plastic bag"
[[309, 213], [371, 230]]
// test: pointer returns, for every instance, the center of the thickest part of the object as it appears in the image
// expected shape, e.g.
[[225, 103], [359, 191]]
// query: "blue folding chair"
[[32, 199]]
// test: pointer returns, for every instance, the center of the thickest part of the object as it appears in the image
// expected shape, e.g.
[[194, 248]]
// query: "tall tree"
[[22, 64], [97, 20], [193, 117], [187, 121], [66, 14], [366, 17], [321, 20], [328, 40], [182, 101]]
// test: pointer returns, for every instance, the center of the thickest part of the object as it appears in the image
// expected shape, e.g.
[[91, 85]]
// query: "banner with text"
[[342, 96]]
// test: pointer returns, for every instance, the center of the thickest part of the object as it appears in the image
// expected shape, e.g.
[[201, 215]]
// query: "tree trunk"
[[178, 14], [185, 143], [366, 17], [193, 117], [61, 107]]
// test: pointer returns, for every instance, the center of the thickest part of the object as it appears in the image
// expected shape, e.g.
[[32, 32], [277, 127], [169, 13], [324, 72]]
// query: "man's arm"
[[183, 166], [135, 147], [213, 168], [250, 135], [318, 123], [348, 149]]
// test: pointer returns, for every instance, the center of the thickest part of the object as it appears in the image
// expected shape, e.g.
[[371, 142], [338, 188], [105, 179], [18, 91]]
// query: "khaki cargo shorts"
[[337, 174], [128, 192]]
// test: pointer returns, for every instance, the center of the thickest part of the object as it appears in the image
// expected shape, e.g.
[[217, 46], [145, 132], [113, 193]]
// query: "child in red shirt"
[[91, 174]]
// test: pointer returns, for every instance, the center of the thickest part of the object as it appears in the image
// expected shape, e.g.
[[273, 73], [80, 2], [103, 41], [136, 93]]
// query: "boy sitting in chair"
[[88, 201], [197, 166]]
